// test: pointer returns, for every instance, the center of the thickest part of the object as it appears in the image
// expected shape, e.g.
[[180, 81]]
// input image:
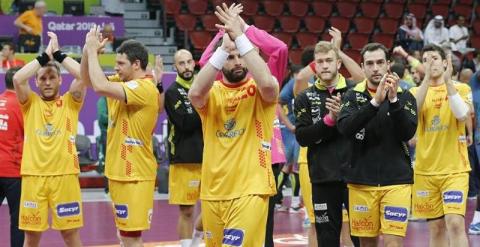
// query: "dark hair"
[[373, 47], [11, 44], [432, 47], [53, 65], [398, 68], [9, 77], [307, 55], [134, 51]]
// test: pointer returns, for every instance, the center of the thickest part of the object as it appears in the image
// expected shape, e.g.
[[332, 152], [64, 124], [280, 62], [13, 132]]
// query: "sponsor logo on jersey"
[[233, 237], [362, 224], [453, 196], [68, 209], [129, 141], [121, 210]]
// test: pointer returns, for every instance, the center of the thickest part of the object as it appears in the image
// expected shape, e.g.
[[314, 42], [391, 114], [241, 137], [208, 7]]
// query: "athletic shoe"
[[281, 208], [295, 210], [474, 229], [306, 223]]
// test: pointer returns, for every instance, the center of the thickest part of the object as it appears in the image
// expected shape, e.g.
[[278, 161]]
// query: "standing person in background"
[[50, 166], [441, 162], [185, 145], [31, 25], [474, 227], [102, 117], [134, 103], [459, 35], [11, 147]]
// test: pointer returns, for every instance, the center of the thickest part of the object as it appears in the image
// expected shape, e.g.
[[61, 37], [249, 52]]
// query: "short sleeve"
[[466, 93], [137, 93], [413, 91], [27, 104], [71, 102]]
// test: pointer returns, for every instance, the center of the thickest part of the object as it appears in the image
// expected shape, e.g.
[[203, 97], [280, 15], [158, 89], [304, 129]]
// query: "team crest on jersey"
[[230, 131], [48, 131], [436, 125]]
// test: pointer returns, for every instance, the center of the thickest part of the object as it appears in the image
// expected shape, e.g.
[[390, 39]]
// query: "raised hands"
[[333, 105], [336, 37], [400, 51], [447, 75], [232, 23], [94, 39], [158, 69], [391, 85]]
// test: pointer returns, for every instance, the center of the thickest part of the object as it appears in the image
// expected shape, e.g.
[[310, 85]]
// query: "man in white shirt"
[[459, 34], [436, 33]]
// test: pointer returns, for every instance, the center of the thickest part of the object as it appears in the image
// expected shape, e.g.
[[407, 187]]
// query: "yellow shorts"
[[435, 196], [132, 204], [59, 193], [238, 222], [375, 210], [184, 184], [306, 188]]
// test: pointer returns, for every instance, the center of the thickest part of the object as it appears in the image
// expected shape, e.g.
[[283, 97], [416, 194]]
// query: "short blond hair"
[[325, 47]]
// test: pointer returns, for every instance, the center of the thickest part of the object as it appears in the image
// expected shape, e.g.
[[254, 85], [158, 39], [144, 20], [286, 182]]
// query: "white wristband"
[[374, 102], [243, 44], [458, 106], [218, 58]]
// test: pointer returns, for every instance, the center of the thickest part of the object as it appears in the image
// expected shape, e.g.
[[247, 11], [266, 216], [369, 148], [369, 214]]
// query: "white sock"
[[476, 217], [185, 242], [295, 202], [197, 237]]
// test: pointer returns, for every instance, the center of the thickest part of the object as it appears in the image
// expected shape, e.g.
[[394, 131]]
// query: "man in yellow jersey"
[[237, 119], [50, 165], [378, 118], [185, 146], [133, 106], [441, 164]]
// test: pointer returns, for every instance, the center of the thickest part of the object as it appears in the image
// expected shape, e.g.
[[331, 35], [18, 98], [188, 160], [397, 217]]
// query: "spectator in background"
[[410, 36], [107, 33], [114, 7], [416, 75], [11, 145], [102, 117], [465, 75], [399, 68], [8, 56], [474, 227], [436, 33], [31, 26], [458, 34]]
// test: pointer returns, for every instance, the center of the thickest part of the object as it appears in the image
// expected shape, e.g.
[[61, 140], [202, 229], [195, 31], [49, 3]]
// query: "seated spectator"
[[410, 37], [114, 7], [465, 75], [7, 57], [459, 35], [107, 32], [30, 25], [436, 32]]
